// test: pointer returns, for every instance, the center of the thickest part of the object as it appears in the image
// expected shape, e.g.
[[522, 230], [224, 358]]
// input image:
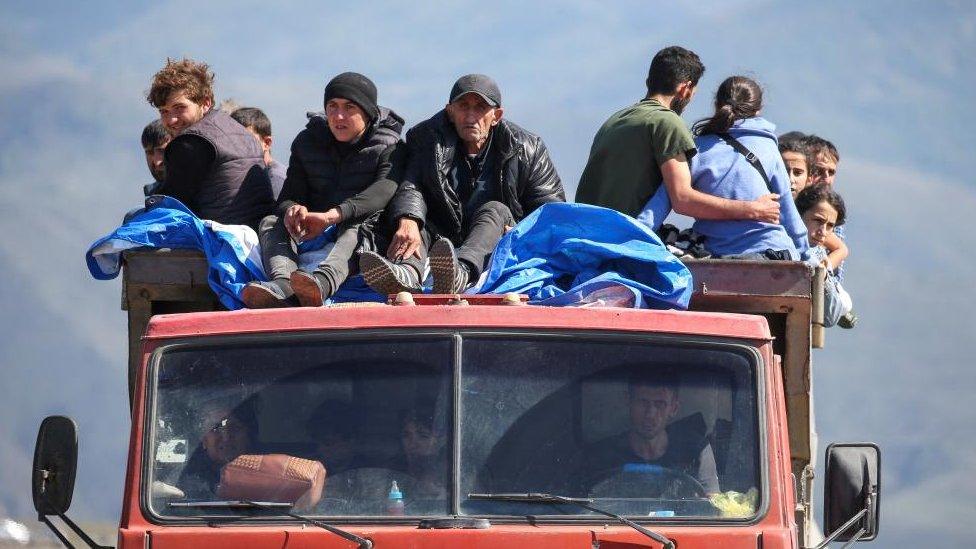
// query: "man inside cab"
[[469, 175], [214, 166], [654, 443]]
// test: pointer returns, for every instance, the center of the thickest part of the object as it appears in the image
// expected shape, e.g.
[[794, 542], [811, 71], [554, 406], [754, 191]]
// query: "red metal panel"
[[409, 537], [527, 317]]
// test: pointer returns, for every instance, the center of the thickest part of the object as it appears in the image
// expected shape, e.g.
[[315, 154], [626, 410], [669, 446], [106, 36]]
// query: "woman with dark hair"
[[738, 158]]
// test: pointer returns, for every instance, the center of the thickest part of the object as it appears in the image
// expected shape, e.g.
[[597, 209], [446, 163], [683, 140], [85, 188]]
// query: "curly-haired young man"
[[213, 164]]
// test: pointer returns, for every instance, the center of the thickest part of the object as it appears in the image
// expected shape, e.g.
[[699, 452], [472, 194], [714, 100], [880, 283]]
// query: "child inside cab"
[[822, 211]]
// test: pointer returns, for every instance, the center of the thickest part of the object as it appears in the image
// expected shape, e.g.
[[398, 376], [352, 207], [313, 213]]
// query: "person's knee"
[[496, 209], [268, 223]]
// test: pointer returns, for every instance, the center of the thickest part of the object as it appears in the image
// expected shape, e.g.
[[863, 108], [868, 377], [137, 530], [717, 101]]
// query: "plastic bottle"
[[394, 504]]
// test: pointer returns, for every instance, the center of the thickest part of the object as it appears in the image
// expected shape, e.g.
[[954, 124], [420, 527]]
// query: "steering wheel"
[[651, 482]]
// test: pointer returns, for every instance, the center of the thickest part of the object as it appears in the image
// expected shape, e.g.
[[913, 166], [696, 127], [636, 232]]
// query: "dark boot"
[[312, 290], [269, 295]]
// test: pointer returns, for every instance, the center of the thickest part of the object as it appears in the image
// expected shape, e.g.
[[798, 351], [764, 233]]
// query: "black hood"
[[388, 126]]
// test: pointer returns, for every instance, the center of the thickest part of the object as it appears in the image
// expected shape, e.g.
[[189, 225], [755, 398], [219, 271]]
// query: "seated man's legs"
[[280, 257], [314, 288], [388, 277], [454, 270], [278, 251]]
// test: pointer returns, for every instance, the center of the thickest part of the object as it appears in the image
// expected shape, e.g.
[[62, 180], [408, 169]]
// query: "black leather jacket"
[[527, 177]]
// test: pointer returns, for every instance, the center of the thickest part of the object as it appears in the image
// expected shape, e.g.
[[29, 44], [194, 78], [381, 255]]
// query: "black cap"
[[479, 84], [356, 88]]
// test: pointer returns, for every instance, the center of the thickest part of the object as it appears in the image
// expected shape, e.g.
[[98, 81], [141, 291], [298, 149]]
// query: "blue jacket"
[[719, 170]]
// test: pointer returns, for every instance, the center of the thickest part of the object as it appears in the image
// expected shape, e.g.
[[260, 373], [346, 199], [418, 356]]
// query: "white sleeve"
[[707, 474]]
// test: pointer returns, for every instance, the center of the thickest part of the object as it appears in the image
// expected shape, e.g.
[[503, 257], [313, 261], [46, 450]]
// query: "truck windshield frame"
[[455, 485]]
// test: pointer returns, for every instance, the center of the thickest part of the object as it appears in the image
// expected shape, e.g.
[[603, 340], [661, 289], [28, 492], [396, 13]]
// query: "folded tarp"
[[232, 251], [575, 254]]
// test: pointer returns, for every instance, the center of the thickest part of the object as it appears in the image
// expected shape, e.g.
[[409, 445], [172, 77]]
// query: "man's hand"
[[406, 240], [765, 208], [303, 224], [314, 223], [295, 221]]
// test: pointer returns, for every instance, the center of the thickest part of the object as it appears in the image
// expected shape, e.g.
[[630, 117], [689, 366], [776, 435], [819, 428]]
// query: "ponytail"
[[737, 98]]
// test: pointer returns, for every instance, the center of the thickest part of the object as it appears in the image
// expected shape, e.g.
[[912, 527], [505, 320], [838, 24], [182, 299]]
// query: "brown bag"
[[274, 478]]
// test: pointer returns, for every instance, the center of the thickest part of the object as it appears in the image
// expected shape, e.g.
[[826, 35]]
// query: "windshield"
[[329, 426], [643, 429], [363, 426]]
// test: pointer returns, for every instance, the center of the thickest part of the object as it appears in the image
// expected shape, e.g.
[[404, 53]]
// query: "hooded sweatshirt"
[[720, 170]]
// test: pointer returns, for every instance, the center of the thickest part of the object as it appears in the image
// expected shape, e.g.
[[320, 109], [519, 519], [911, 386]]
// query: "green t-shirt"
[[624, 168]]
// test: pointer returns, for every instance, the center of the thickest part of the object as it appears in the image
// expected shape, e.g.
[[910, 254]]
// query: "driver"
[[652, 438]]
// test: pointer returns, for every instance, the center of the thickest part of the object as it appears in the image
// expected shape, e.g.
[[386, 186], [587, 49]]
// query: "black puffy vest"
[[332, 178], [237, 190]]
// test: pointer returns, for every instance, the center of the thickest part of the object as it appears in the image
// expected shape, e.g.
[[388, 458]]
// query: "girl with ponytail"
[[737, 98], [738, 158]]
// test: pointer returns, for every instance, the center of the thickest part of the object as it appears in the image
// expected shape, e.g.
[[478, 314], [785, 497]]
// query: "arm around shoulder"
[[687, 201]]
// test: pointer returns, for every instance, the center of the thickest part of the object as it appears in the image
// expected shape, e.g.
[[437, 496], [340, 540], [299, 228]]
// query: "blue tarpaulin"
[[571, 254], [232, 251]]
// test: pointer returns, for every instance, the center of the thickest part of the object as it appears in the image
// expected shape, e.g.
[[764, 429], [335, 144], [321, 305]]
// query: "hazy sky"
[[889, 82]]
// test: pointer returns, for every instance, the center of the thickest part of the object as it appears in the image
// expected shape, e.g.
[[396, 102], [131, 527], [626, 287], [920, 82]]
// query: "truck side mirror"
[[852, 491], [55, 463]]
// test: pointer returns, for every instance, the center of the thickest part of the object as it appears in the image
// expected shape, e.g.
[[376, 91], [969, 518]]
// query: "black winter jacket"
[[527, 177], [320, 178]]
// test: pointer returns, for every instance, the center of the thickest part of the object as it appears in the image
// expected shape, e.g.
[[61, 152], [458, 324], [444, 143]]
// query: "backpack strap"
[[750, 157]]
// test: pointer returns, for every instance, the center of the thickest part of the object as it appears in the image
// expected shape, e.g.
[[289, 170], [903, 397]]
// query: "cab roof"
[[319, 319]]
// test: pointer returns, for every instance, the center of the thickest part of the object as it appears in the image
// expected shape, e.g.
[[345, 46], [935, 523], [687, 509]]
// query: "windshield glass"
[[363, 426], [329, 426], [644, 429]]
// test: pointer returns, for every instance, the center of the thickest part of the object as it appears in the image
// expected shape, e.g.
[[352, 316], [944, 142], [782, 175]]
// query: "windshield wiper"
[[579, 502], [277, 507], [229, 504]]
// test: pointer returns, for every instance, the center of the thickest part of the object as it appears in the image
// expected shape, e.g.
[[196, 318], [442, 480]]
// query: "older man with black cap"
[[338, 174], [469, 175]]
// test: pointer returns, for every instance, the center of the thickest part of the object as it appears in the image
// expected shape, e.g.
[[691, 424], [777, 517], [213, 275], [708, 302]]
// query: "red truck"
[[473, 421]]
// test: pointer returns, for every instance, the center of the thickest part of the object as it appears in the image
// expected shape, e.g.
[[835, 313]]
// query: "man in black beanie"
[[469, 175], [338, 174]]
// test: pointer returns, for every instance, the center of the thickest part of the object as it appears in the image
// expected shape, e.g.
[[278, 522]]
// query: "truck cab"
[[480, 421]]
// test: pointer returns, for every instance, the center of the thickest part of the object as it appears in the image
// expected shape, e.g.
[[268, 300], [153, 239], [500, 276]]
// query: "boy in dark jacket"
[[338, 174], [469, 175]]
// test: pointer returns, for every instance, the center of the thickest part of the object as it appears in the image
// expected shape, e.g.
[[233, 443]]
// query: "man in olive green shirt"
[[647, 144]]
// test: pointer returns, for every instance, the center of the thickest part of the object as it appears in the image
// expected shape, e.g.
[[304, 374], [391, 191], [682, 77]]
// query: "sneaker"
[[268, 295], [387, 277], [450, 275], [847, 321], [312, 290]]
